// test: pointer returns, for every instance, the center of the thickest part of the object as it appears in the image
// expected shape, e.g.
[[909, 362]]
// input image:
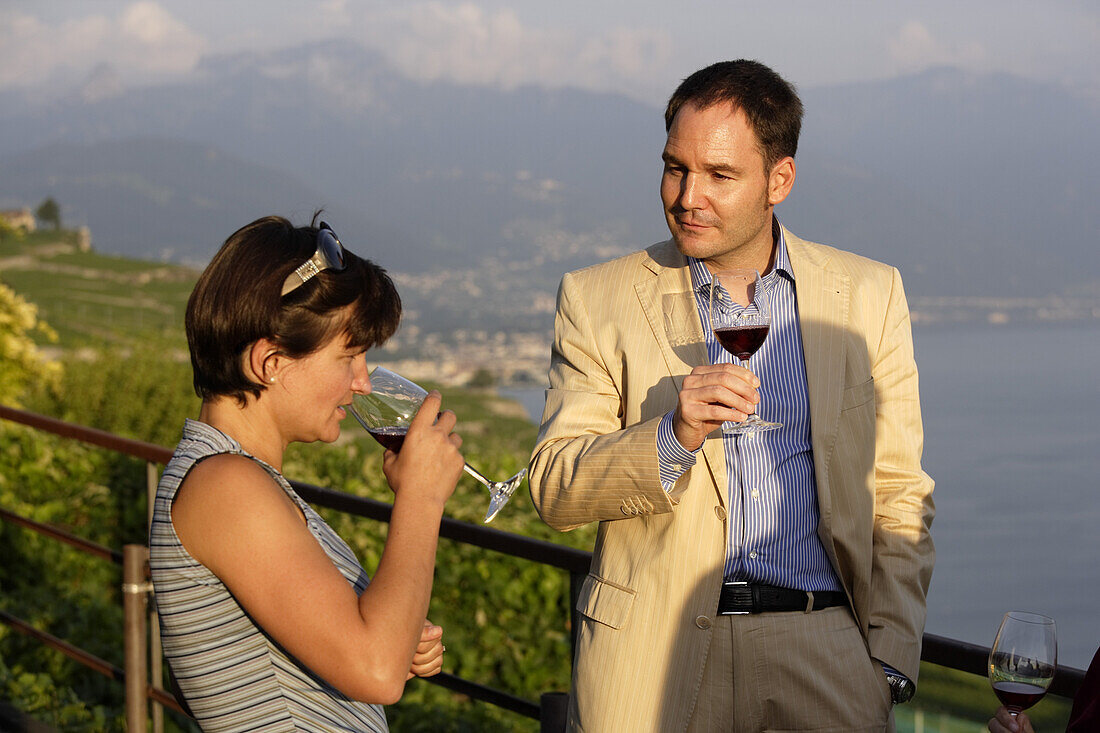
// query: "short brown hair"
[[768, 100], [237, 301]]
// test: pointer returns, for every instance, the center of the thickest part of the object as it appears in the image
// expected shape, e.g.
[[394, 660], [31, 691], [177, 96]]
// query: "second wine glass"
[[1023, 659], [740, 318], [388, 410]]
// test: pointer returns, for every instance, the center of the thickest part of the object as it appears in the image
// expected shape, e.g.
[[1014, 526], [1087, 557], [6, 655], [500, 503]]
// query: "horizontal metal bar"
[[165, 698], [485, 694], [974, 658], [88, 660], [91, 661], [135, 448], [547, 553], [61, 535]]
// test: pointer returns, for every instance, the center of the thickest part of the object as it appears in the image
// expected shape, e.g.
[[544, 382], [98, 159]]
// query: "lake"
[[1013, 444]]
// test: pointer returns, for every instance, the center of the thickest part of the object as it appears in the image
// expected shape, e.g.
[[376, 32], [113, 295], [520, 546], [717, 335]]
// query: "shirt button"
[[756, 493], [677, 467], [752, 555], [702, 622], [720, 512]]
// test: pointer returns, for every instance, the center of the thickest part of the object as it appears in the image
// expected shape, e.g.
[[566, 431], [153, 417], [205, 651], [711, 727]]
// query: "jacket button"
[[720, 512], [702, 622]]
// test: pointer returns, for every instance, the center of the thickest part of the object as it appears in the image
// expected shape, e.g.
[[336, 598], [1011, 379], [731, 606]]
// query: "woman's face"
[[316, 386]]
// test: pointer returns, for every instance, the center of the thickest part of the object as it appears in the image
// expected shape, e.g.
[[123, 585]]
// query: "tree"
[[21, 364], [49, 212], [482, 378]]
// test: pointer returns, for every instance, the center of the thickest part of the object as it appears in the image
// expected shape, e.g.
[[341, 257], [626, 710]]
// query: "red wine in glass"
[[1018, 695], [391, 438], [742, 341]]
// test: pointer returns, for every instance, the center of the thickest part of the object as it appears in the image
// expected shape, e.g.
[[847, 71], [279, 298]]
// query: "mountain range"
[[969, 183]]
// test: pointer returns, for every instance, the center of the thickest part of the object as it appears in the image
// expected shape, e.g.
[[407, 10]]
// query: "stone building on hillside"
[[19, 218]]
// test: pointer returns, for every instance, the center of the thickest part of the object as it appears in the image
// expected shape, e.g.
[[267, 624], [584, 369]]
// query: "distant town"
[[492, 323]]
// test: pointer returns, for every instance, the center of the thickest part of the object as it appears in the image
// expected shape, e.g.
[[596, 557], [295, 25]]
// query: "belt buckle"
[[743, 584]]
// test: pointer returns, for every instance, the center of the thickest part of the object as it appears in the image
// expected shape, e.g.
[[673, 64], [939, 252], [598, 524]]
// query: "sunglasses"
[[329, 256]]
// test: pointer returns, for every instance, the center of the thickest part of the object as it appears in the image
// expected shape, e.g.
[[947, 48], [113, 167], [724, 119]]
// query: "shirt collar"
[[700, 275]]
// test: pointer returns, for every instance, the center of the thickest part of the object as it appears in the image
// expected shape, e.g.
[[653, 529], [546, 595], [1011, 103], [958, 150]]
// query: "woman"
[[268, 620]]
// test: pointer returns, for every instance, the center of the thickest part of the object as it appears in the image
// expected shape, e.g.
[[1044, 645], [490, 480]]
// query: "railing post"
[[553, 712], [135, 559], [156, 663], [575, 581]]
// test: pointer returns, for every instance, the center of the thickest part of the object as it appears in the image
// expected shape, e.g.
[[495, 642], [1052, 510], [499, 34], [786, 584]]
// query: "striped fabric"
[[233, 676], [772, 533]]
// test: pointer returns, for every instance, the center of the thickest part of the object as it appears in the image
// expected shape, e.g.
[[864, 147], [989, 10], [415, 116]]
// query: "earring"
[[272, 380]]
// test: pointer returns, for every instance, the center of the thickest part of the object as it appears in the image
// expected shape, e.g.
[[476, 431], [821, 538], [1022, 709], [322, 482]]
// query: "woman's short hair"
[[237, 301]]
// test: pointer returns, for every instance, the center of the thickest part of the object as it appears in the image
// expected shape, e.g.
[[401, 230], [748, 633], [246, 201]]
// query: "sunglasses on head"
[[329, 256]]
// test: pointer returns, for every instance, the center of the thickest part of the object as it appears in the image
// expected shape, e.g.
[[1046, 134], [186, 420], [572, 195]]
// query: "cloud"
[[468, 43], [144, 40], [914, 48]]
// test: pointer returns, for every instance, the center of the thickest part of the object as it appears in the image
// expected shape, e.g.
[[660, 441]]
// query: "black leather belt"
[[739, 597]]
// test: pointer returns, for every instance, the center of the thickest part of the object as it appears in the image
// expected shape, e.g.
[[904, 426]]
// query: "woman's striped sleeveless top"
[[232, 675]]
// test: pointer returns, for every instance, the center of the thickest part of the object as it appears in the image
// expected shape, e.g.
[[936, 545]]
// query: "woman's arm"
[[232, 517]]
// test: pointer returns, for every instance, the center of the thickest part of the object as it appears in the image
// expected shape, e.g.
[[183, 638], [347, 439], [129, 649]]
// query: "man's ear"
[[781, 180], [262, 361]]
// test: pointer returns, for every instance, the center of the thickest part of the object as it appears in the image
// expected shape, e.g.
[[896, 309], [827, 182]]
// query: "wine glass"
[[386, 412], [740, 319], [1023, 659]]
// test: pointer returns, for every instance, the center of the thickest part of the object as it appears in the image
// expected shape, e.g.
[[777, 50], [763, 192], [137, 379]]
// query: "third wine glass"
[[1023, 659]]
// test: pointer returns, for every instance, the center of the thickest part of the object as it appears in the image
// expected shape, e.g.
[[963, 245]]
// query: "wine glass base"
[[751, 425], [500, 492]]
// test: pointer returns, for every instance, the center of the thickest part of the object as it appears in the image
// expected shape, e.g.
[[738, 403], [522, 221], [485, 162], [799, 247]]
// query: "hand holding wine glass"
[[1023, 659], [740, 318], [388, 410], [429, 463]]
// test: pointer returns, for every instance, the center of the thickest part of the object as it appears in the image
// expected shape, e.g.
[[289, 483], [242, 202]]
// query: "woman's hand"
[[428, 658], [429, 463]]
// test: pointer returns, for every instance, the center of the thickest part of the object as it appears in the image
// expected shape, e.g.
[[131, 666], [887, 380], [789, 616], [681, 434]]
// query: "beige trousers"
[[791, 672]]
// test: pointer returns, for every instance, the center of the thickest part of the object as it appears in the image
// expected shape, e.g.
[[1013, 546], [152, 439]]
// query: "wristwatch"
[[901, 688]]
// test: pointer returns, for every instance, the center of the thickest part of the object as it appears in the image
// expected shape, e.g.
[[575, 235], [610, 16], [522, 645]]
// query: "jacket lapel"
[[669, 305]]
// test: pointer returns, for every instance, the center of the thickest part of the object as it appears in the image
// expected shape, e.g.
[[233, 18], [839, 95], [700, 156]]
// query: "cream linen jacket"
[[626, 334]]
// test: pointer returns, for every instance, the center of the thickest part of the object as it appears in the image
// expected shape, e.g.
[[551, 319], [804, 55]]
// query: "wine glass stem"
[[473, 472]]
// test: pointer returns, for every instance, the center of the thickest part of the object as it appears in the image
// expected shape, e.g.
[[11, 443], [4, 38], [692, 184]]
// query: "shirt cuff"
[[673, 460], [890, 670]]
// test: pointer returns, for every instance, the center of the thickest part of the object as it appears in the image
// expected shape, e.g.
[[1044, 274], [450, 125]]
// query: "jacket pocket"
[[605, 602], [857, 395]]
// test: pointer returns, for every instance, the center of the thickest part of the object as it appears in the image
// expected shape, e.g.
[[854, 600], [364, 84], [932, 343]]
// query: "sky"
[[642, 52]]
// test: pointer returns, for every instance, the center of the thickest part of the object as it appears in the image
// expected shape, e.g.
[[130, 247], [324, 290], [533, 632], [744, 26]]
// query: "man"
[[767, 582]]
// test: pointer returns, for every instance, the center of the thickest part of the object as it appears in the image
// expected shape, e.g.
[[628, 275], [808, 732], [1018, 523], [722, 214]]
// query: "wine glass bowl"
[[740, 318], [386, 413], [1023, 659]]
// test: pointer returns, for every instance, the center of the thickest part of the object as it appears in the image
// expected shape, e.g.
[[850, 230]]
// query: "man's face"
[[717, 196]]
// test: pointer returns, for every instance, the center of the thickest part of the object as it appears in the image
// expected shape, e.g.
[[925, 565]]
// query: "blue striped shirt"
[[772, 491]]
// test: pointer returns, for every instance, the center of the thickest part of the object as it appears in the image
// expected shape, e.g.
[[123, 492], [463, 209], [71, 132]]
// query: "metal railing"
[[141, 623]]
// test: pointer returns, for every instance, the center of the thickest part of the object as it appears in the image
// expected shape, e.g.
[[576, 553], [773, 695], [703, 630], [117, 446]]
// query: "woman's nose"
[[360, 383]]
